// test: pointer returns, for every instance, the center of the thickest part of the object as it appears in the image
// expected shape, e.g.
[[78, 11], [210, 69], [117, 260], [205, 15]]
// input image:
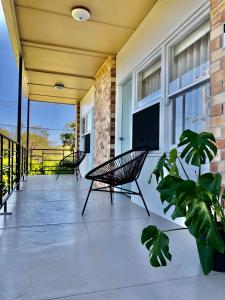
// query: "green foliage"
[[167, 188], [197, 201], [157, 243], [160, 168], [198, 147], [69, 138], [166, 165], [205, 255]]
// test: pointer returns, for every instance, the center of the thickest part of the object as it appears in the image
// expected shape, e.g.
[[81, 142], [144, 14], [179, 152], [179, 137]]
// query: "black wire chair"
[[72, 162], [120, 170]]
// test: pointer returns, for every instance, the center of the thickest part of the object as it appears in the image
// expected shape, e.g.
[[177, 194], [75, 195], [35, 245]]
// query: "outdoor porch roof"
[[57, 49]]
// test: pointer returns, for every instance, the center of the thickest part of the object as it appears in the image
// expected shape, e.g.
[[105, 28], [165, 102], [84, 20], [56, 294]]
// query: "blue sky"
[[47, 115]]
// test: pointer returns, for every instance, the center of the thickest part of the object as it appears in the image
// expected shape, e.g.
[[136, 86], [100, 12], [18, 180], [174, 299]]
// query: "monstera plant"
[[198, 201]]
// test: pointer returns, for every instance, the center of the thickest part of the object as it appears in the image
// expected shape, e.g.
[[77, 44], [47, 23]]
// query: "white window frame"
[[169, 58], [163, 50], [118, 128], [148, 100], [85, 130]]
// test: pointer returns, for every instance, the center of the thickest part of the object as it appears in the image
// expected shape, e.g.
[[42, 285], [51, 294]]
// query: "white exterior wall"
[[168, 22], [87, 105]]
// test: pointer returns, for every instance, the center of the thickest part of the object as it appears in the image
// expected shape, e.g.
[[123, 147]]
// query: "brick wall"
[[218, 84], [104, 114]]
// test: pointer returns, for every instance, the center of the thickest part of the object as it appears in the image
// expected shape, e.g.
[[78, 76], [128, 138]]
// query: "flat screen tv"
[[146, 127]]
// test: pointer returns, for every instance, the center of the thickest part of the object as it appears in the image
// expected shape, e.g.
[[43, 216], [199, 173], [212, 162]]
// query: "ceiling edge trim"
[[11, 21], [64, 49]]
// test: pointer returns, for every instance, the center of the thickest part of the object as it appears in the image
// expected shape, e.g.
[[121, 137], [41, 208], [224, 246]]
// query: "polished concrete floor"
[[48, 251]]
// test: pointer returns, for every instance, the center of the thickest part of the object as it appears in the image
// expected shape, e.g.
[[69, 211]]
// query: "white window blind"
[[192, 38], [151, 80], [191, 59]]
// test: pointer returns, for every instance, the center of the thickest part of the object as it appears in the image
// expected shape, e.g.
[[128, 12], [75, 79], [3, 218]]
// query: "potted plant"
[[198, 201]]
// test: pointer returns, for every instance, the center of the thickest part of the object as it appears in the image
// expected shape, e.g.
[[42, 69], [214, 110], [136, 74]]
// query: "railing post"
[[28, 136], [31, 158], [78, 128], [1, 169], [9, 166], [19, 110]]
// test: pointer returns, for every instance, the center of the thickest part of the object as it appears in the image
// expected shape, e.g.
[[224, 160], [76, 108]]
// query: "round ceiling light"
[[81, 13], [59, 86]]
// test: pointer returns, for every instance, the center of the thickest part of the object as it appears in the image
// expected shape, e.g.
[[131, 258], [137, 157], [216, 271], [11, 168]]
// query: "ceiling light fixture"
[[81, 13], [59, 86]]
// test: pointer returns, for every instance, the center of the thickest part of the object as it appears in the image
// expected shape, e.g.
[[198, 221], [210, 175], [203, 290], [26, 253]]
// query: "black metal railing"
[[46, 161], [13, 168]]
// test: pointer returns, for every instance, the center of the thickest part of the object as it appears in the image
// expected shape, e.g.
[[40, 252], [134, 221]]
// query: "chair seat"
[[72, 161], [121, 169], [118, 171]]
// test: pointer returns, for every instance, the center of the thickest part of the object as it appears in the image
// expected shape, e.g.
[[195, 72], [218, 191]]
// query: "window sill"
[[189, 87]]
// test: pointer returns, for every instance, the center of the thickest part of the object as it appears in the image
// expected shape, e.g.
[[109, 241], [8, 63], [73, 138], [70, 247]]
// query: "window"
[[83, 125], [150, 84], [86, 124], [87, 142], [86, 128], [191, 111], [190, 59], [146, 127], [189, 84]]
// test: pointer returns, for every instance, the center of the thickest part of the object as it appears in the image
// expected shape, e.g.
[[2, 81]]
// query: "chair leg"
[[140, 193], [58, 175], [85, 204], [111, 195]]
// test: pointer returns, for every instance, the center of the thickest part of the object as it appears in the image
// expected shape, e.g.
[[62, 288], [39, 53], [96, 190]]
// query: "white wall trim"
[[176, 35], [163, 51], [118, 127]]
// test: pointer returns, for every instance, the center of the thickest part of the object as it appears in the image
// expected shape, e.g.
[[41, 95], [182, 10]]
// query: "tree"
[[38, 138], [8, 134], [68, 138]]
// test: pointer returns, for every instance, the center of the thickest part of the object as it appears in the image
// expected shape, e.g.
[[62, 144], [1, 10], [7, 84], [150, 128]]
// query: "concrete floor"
[[48, 251]]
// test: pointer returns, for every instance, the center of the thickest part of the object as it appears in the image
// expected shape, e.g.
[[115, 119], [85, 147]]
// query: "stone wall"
[[104, 112]]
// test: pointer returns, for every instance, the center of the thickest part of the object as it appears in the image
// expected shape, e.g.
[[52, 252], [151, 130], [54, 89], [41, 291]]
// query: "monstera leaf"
[[157, 243], [211, 182], [197, 147], [167, 189], [172, 161], [159, 169], [201, 225], [194, 202], [205, 255]]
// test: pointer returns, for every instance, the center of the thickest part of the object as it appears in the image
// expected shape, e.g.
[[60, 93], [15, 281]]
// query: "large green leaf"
[[160, 167], [157, 243], [167, 189], [186, 193], [211, 182], [173, 155], [195, 203], [198, 147], [174, 171], [201, 225], [205, 255]]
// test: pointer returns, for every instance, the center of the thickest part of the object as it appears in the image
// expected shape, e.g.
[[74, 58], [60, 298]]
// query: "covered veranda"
[[48, 251]]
